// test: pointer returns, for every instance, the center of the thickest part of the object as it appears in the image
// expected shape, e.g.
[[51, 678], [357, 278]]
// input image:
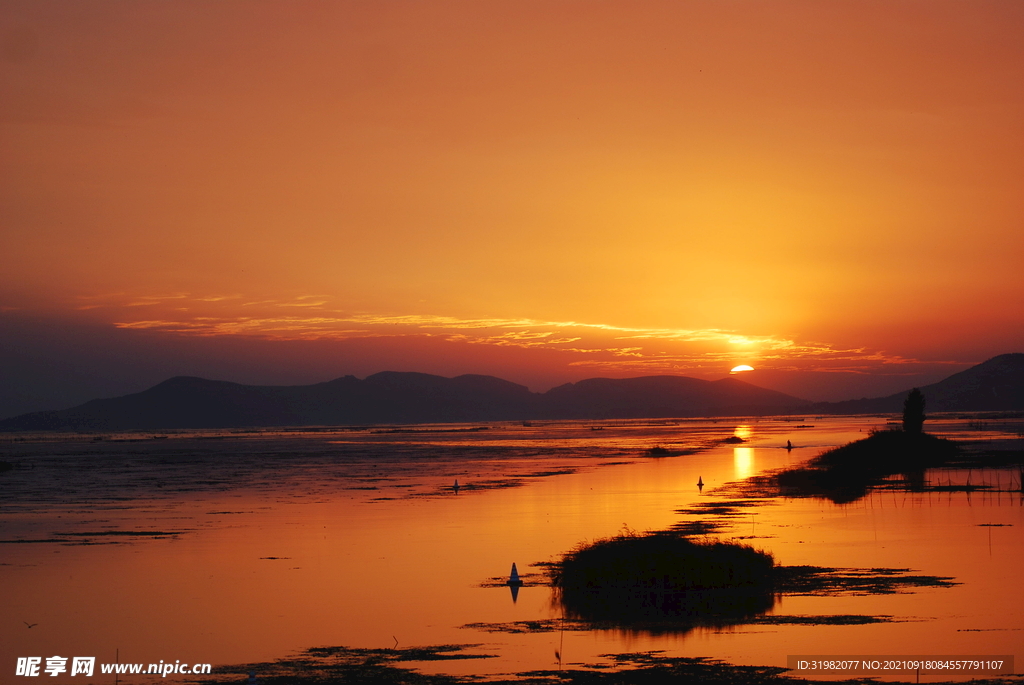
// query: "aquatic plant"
[[643, 580], [844, 474], [663, 560]]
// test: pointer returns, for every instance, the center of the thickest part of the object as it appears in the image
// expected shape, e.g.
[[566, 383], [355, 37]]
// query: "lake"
[[234, 547]]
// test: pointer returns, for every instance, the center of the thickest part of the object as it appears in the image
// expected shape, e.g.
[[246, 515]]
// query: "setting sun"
[[741, 368]]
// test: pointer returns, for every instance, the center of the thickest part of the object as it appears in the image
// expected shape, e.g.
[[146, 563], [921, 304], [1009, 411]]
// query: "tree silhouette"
[[913, 412]]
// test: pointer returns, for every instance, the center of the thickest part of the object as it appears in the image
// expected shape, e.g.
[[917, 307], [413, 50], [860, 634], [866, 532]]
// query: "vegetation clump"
[[887, 452], [845, 473], [347, 665], [641, 580], [662, 561]]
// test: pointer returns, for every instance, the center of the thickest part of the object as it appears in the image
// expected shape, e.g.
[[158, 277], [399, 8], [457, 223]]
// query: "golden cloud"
[[651, 349]]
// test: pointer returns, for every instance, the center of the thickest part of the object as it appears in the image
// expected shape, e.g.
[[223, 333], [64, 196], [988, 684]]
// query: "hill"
[[404, 397], [387, 397], [663, 396], [993, 385], [394, 397]]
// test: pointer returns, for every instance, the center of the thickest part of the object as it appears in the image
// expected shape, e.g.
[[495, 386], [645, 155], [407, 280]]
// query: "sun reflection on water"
[[743, 462]]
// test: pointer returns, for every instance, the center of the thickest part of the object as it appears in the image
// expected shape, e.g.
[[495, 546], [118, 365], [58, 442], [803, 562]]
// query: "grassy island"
[[843, 474], [645, 579], [891, 451]]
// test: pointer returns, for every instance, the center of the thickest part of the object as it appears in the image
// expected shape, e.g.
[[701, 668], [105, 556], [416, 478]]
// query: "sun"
[[741, 368]]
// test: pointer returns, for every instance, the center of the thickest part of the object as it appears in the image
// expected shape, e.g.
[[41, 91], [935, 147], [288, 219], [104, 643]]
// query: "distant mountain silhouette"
[[401, 397], [993, 385], [387, 397], [393, 397], [662, 396]]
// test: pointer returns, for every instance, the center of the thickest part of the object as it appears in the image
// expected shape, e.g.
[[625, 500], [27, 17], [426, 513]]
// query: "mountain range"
[[993, 385], [406, 397]]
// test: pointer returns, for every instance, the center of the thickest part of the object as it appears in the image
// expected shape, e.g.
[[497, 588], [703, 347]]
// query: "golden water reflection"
[[337, 552], [743, 462]]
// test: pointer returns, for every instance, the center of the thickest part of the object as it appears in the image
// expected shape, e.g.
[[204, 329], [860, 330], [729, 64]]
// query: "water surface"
[[238, 547]]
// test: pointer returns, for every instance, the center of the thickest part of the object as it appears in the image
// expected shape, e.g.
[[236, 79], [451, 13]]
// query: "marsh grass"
[[662, 582], [645, 580], [554, 625], [891, 451], [662, 561], [348, 666], [845, 473]]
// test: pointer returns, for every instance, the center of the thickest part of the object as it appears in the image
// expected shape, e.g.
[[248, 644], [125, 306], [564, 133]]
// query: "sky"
[[287, 192]]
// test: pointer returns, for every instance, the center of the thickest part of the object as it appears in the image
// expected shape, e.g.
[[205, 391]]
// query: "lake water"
[[239, 547]]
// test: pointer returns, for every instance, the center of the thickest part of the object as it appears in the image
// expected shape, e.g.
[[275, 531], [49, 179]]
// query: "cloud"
[[585, 344]]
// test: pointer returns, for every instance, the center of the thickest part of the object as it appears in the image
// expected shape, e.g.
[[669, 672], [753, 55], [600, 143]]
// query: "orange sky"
[[544, 191]]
